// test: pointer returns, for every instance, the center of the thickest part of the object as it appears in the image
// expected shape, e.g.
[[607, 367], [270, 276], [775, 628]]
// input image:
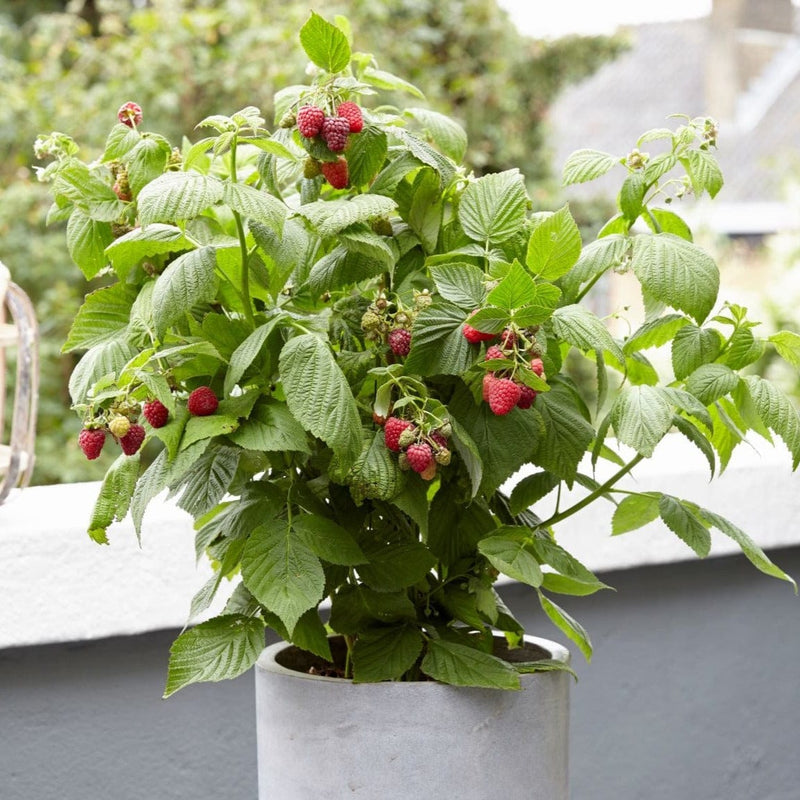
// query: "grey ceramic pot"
[[323, 738]]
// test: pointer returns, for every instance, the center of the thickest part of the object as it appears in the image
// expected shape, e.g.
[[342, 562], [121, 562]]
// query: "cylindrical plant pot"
[[324, 738]]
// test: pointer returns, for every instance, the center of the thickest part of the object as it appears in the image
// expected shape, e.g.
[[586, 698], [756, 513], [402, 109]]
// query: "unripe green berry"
[[370, 321], [442, 457], [407, 437], [119, 426]]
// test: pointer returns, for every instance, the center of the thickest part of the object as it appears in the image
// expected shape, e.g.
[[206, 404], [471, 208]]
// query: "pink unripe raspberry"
[[202, 402], [537, 366], [494, 352], [391, 432], [335, 131], [400, 341], [132, 440], [508, 338], [156, 413], [91, 441], [309, 120], [526, 397], [336, 173], [420, 456], [352, 113], [429, 473], [504, 394], [130, 114], [489, 380]]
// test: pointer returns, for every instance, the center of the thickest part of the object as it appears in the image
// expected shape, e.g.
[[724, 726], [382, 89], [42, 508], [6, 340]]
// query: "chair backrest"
[[18, 329]]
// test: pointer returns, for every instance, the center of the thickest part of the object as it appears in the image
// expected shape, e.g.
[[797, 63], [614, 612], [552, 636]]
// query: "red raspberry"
[[420, 457], [202, 402], [335, 131], [156, 413], [130, 114], [504, 395], [537, 366], [526, 397], [336, 173], [473, 335], [352, 113], [391, 432], [309, 121], [400, 341], [439, 438], [494, 352], [508, 338], [91, 441], [488, 381], [132, 440]]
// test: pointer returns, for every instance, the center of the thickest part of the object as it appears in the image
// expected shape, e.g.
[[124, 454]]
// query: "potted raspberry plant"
[[341, 345]]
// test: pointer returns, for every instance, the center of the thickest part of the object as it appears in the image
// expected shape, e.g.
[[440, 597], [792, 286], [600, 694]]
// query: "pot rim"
[[266, 662]]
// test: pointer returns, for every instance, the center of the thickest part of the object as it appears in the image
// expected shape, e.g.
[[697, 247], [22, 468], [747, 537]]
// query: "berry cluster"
[[420, 448], [390, 322]]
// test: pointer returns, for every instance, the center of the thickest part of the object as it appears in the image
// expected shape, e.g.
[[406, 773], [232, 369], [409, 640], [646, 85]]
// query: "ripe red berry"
[[439, 438], [473, 335], [526, 397], [352, 113], [488, 381], [202, 402], [504, 395], [336, 173], [400, 341], [156, 413], [508, 338], [91, 441], [132, 440], [391, 432], [420, 456], [309, 120], [537, 366], [130, 114], [494, 352], [335, 131]]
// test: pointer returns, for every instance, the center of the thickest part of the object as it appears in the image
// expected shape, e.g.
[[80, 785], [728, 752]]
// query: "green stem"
[[590, 498]]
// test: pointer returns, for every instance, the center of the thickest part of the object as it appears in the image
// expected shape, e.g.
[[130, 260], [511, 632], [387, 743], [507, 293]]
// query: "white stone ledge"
[[58, 586]]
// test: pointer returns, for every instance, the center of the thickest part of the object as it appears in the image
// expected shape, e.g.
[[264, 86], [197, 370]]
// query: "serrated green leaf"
[[376, 474], [445, 133], [329, 217], [389, 82], [103, 317], [151, 483], [198, 428], [659, 165], [386, 654], [120, 140], [709, 382], [221, 648], [178, 196], [681, 519], [743, 349], [787, 343], [115, 496], [208, 480], [325, 44], [87, 240], [253, 204], [595, 259], [634, 511], [511, 557], [676, 272], [366, 154], [460, 283], [271, 428], [341, 268], [437, 344], [354, 608], [692, 347], [460, 665], [703, 171], [531, 489], [397, 566], [568, 625], [423, 152], [108, 358], [662, 221], [641, 416], [490, 319], [586, 165], [319, 396], [697, 438], [778, 413], [327, 540], [655, 333], [554, 245], [582, 329], [248, 351], [493, 207], [631, 196], [423, 212], [146, 161], [310, 634], [132, 247]]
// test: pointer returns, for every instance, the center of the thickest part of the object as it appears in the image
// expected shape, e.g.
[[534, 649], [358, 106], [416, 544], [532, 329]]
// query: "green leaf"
[[493, 207], [787, 343], [354, 608], [102, 318], [396, 566], [655, 333], [586, 165], [115, 496], [282, 573], [253, 204], [271, 428], [146, 161], [697, 438], [641, 416], [325, 44], [569, 626], [423, 152], [659, 165], [209, 479], [199, 428], [703, 171], [132, 247], [376, 474], [87, 240], [190, 279], [425, 208], [662, 221], [460, 283], [595, 259], [635, 511], [554, 246], [329, 217], [445, 133], [692, 347], [178, 196], [709, 382], [340, 268], [390, 83], [531, 489], [221, 648], [778, 413], [151, 483], [681, 519], [100, 361], [319, 396], [386, 654], [510, 557], [366, 154], [248, 351], [120, 140], [460, 665], [469, 454], [631, 196], [743, 349], [515, 290], [676, 272], [582, 329], [437, 344], [310, 634], [327, 540]]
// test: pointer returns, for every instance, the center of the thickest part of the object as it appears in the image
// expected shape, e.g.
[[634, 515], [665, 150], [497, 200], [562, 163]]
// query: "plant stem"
[[591, 497]]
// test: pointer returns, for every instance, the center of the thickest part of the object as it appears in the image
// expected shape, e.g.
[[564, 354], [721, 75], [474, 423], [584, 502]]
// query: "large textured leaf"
[[376, 474], [100, 361], [319, 396], [510, 556], [329, 217], [393, 567], [693, 346], [446, 134], [641, 416], [190, 279], [87, 240], [340, 268], [437, 344], [366, 154], [385, 654], [586, 165], [247, 352], [325, 44], [252, 204], [595, 259], [221, 648], [568, 625], [459, 665], [140, 243], [271, 428], [115, 496], [493, 207], [709, 382], [531, 489], [676, 272], [102, 318], [778, 413], [146, 161], [655, 333], [582, 329], [554, 246], [460, 283], [680, 517], [282, 572], [178, 196], [208, 481], [327, 540]]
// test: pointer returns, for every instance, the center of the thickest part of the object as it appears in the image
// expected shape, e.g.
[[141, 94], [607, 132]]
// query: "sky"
[[541, 19]]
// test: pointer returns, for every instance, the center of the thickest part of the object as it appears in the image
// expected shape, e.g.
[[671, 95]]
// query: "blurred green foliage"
[[69, 66]]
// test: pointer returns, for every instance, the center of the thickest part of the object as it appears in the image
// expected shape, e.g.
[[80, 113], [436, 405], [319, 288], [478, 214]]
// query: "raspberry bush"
[[338, 346]]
